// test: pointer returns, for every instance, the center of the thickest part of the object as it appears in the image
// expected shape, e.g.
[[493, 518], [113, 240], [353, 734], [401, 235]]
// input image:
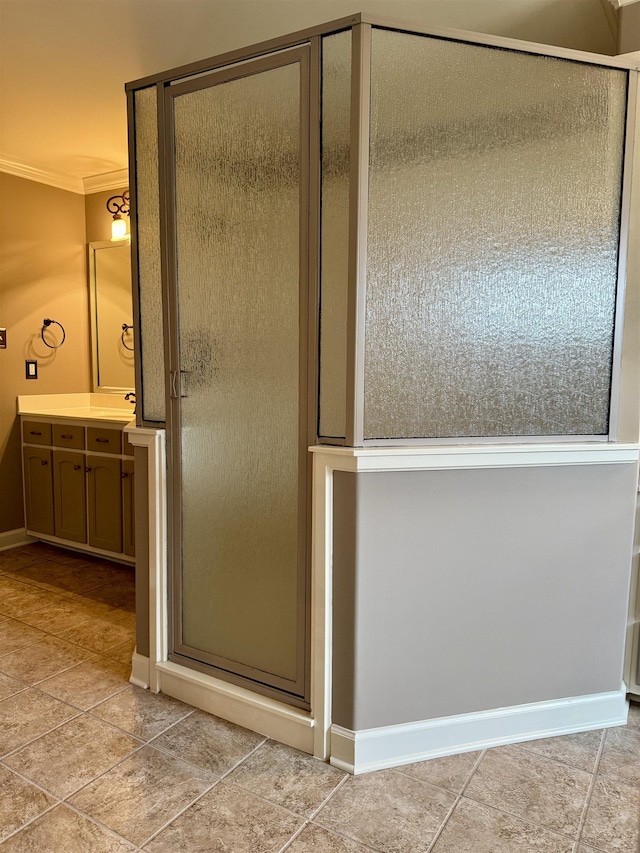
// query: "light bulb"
[[118, 228]]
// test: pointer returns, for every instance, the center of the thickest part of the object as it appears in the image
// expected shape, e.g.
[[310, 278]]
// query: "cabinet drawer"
[[68, 436], [103, 440], [36, 433]]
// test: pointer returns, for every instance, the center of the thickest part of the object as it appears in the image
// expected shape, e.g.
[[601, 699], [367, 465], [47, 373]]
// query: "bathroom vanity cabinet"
[[79, 480]]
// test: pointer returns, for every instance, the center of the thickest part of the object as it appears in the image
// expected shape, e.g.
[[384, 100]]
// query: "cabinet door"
[[38, 489], [128, 514], [70, 497], [104, 503]]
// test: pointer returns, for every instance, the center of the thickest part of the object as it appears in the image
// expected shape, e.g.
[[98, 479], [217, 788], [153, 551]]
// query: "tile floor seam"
[[150, 740], [179, 814], [459, 796], [592, 784], [99, 702], [11, 752], [47, 588], [564, 835], [317, 811], [445, 820], [53, 674], [29, 822], [101, 774], [263, 799], [118, 728], [31, 782], [295, 835], [525, 746], [38, 685], [81, 647], [244, 758], [99, 823], [84, 784], [341, 834]]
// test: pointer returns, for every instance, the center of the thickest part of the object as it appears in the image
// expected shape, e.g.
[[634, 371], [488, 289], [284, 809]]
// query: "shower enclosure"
[[364, 236]]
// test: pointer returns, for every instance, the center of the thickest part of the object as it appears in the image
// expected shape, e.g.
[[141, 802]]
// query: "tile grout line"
[[453, 807], [29, 822], [295, 835], [338, 832], [592, 784], [143, 744], [186, 808], [99, 823]]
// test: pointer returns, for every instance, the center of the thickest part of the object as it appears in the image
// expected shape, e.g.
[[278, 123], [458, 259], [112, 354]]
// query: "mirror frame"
[[93, 320]]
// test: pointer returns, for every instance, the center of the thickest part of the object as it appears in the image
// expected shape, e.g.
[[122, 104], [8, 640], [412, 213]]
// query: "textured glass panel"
[[493, 237], [149, 275], [334, 258], [237, 191]]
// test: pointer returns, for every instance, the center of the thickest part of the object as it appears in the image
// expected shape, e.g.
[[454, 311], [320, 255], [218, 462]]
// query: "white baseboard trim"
[[14, 538], [238, 705], [140, 671], [392, 746]]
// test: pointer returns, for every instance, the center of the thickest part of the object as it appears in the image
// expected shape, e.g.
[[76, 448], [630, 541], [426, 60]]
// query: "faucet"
[[131, 398]]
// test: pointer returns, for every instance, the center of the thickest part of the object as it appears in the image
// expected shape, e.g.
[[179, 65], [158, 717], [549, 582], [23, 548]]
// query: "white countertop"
[[110, 408]]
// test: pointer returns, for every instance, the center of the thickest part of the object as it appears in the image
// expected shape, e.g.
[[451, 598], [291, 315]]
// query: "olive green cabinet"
[[38, 489], [79, 485], [69, 495], [105, 502]]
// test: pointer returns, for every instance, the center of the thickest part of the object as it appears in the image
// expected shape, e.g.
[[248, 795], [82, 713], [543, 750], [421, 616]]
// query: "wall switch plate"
[[31, 369], [3, 338]]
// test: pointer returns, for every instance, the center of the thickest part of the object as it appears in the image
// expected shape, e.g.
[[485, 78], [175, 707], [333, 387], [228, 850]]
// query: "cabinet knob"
[[87, 469], [34, 432], [124, 474], [66, 436], [77, 467], [44, 462], [102, 440]]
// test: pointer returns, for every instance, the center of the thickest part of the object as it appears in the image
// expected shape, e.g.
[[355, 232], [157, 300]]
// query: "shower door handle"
[[183, 384], [174, 383]]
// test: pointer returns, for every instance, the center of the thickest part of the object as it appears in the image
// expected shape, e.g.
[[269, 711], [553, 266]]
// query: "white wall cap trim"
[[474, 456], [142, 436], [393, 746]]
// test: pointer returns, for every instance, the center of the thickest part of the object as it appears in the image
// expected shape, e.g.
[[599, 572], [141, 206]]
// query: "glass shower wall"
[[334, 224], [494, 211], [152, 393]]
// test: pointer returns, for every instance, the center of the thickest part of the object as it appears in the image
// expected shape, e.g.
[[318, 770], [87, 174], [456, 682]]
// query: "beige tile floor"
[[90, 764]]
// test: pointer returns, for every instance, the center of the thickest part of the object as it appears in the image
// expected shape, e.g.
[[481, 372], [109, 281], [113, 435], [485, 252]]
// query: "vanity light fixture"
[[119, 204]]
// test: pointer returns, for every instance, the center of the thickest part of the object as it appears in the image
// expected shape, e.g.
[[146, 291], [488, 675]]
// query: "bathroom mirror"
[[111, 310]]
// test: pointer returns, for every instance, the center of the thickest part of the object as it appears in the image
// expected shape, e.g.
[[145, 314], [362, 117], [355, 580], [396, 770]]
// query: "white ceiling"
[[64, 63]]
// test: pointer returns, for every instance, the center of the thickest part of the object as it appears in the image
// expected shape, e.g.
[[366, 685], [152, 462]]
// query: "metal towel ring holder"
[[125, 329], [45, 324]]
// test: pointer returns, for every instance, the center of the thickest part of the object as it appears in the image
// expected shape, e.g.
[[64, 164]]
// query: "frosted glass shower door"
[[239, 461]]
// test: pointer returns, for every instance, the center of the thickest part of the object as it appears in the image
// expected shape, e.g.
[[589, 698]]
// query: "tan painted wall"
[[629, 33], [42, 274]]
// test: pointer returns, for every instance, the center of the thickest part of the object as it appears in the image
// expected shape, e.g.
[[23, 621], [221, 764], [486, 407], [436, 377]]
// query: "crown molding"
[[108, 181], [42, 176], [83, 186]]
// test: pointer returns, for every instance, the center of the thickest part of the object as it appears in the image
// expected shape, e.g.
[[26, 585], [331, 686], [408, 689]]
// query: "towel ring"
[[45, 324], [125, 329]]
